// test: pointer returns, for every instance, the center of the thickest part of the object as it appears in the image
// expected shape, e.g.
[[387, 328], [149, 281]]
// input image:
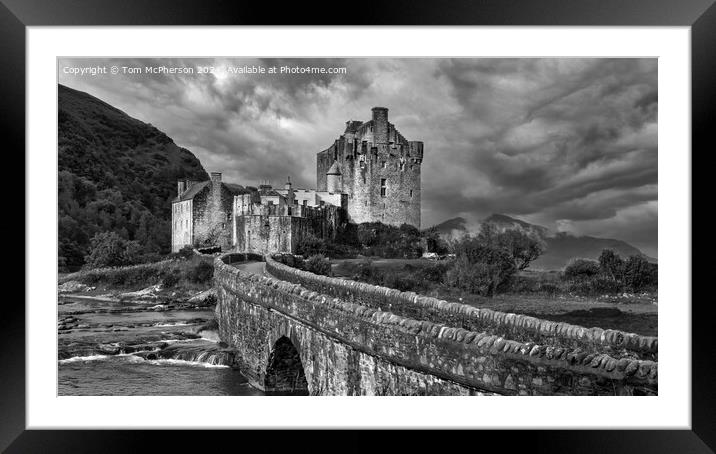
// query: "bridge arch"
[[284, 371]]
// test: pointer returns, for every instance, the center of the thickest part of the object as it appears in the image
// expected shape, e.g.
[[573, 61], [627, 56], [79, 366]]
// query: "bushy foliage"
[[312, 245], [109, 249], [376, 238], [202, 273], [481, 267], [639, 274], [581, 269], [318, 264], [171, 279], [434, 243], [186, 252], [523, 247], [611, 274], [611, 265], [482, 277], [405, 278]]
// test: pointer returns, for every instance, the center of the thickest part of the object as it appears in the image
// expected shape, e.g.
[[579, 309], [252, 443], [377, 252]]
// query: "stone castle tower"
[[378, 168]]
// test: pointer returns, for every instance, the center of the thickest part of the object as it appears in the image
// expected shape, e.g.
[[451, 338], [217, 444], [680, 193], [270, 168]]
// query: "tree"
[[110, 249], [523, 247], [611, 265], [480, 268]]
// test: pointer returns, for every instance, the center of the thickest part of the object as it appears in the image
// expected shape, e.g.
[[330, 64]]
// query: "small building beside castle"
[[371, 173], [202, 212]]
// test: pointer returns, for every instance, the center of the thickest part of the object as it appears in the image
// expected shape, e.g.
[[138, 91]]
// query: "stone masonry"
[[344, 347], [378, 168]]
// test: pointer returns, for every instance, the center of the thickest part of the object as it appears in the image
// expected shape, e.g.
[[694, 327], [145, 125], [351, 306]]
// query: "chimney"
[[380, 124], [216, 177], [180, 187]]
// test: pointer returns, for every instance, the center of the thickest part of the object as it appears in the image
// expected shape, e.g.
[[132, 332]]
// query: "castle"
[[371, 173]]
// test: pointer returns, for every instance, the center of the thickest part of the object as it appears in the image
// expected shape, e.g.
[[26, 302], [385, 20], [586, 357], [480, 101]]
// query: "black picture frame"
[[700, 15]]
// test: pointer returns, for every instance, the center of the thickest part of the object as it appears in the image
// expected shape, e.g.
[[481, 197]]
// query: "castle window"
[[382, 164], [411, 193], [382, 187]]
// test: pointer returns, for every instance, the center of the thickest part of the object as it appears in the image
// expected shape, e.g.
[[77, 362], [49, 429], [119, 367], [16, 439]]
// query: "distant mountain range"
[[116, 173], [561, 247]]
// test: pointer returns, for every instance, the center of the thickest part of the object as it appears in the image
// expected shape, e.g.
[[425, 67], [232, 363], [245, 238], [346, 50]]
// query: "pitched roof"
[[196, 188], [269, 193], [236, 189], [192, 191]]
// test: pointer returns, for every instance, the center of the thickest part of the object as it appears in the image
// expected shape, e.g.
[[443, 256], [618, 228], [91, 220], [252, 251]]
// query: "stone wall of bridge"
[[346, 348], [508, 325]]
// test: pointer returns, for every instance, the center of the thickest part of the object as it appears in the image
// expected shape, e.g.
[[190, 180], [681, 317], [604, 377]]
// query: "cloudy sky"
[[570, 144]]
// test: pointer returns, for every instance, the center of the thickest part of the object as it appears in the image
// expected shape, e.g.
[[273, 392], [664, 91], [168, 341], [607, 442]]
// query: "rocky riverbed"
[[141, 343]]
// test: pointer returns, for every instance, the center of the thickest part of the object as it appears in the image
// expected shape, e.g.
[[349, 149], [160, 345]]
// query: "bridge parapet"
[[351, 348], [509, 325]]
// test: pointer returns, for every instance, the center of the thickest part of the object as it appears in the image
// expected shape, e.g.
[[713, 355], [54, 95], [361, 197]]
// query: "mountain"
[[560, 247], [116, 173]]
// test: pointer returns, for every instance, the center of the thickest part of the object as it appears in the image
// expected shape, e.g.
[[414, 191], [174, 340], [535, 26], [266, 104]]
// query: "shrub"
[[400, 281], [202, 273], [186, 252], [581, 269], [434, 273], [172, 279], [376, 238], [639, 274], [311, 245], [481, 268], [318, 264], [482, 278]]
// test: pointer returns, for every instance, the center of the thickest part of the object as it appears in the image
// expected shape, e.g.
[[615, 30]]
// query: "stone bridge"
[[295, 332]]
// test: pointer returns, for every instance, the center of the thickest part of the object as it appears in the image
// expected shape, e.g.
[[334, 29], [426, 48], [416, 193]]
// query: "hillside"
[[561, 247], [115, 173]]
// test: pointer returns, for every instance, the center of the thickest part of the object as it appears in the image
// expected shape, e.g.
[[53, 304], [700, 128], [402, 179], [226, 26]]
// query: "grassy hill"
[[116, 173]]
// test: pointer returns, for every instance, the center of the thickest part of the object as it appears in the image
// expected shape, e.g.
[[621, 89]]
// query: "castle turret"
[[380, 124], [334, 179]]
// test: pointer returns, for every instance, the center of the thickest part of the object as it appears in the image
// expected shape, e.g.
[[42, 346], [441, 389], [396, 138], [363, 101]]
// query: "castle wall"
[[263, 234], [182, 224], [264, 229], [380, 172]]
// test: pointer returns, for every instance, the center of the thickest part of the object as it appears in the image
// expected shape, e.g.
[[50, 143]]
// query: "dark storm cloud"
[[571, 143]]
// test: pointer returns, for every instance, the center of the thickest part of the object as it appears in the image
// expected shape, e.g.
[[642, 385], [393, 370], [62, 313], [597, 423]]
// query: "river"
[[108, 347]]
